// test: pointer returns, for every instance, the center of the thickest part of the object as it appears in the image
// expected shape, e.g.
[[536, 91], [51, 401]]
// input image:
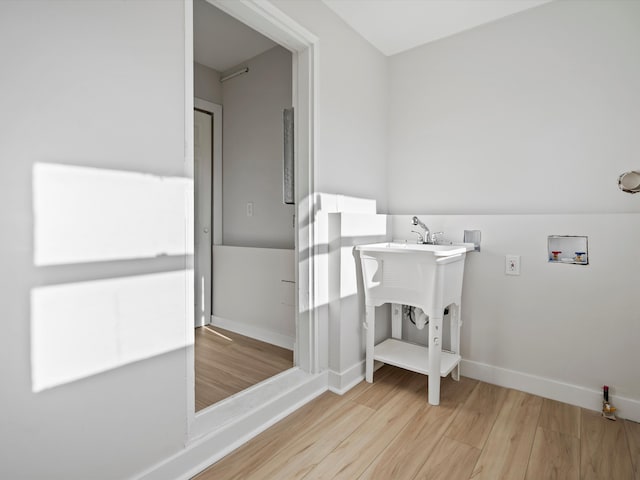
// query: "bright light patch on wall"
[[91, 215], [81, 329], [363, 228]]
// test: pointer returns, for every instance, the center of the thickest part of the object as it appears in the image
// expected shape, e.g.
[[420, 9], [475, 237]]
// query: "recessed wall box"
[[570, 249]]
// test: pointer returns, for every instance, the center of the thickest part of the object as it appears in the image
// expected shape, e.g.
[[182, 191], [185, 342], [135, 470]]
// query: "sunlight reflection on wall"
[[357, 228], [81, 329], [89, 215], [114, 252]]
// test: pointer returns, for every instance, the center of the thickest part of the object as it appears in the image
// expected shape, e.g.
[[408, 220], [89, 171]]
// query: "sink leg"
[[370, 323], [454, 310], [435, 350], [396, 321]]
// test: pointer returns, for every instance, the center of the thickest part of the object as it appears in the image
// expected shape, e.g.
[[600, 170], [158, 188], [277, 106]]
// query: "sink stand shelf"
[[413, 357]]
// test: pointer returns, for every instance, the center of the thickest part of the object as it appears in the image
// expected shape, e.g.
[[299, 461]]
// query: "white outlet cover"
[[512, 264]]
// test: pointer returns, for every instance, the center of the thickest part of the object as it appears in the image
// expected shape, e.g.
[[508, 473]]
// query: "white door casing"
[[207, 147], [202, 153]]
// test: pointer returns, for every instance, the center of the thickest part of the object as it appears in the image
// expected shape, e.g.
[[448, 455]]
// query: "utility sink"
[[420, 275], [412, 273], [418, 248]]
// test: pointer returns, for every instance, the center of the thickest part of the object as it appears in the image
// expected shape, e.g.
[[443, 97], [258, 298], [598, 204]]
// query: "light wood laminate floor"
[[387, 431], [227, 363]]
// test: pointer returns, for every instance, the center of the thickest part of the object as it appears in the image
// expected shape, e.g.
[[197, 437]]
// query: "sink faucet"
[[428, 237], [420, 237]]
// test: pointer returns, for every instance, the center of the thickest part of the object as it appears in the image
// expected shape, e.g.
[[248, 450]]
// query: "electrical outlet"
[[512, 264]]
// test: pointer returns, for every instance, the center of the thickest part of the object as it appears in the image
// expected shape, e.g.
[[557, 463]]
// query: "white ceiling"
[[393, 26], [222, 42]]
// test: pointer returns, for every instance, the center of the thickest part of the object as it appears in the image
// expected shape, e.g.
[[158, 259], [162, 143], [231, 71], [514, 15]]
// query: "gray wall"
[[252, 153], [206, 84], [114, 112], [535, 113], [97, 89], [352, 117]]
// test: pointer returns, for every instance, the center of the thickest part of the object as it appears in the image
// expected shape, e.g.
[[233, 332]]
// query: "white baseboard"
[[548, 388], [253, 331], [212, 445], [342, 382]]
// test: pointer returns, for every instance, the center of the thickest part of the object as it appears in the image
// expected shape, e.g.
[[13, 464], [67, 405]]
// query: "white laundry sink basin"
[[421, 248], [428, 276]]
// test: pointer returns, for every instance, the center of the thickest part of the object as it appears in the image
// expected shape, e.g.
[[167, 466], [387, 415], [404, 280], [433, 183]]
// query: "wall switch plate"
[[250, 209], [512, 264]]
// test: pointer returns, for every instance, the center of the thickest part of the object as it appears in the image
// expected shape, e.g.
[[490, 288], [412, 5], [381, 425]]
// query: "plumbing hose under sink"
[[421, 318], [416, 315]]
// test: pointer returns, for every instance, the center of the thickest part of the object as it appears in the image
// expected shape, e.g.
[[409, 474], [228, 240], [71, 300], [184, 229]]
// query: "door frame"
[[215, 195], [265, 18]]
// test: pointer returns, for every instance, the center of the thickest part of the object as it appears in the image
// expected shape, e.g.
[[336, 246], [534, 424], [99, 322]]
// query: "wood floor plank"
[[232, 338], [560, 417], [265, 354], [633, 439], [207, 392], [357, 451], [406, 454], [227, 363], [475, 420], [451, 460], [304, 452], [378, 375], [506, 452], [555, 456], [232, 361], [383, 389], [224, 376], [253, 454], [405, 438], [452, 391], [604, 452]]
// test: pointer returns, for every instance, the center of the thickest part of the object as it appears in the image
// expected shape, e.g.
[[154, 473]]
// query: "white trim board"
[[253, 331], [216, 166], [238, 419], [548, 388], [341, 382], [189, 265]]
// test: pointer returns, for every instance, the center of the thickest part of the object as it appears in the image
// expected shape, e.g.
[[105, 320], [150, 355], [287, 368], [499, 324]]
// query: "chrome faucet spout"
[[426, 238]]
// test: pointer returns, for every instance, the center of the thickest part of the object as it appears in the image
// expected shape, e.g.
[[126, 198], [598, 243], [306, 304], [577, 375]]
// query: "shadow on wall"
[[111, 263]]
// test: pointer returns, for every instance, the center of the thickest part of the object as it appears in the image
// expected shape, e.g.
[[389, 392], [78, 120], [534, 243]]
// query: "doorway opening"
[[244, 235], [229, 422]]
